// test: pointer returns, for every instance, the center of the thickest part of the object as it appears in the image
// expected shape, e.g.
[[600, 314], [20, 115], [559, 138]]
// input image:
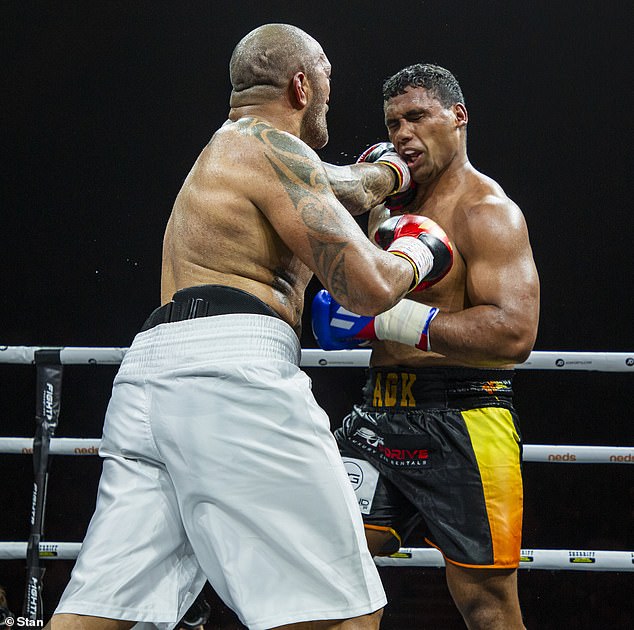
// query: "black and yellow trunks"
[[447, 446]]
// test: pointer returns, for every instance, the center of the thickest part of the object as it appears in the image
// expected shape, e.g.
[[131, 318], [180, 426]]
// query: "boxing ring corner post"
[[47, 406]]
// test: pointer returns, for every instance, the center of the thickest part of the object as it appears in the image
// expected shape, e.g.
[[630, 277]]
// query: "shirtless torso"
[[218, 235], [493, 274], [489, 301], [256, 213], [488, 309], [201, 402]]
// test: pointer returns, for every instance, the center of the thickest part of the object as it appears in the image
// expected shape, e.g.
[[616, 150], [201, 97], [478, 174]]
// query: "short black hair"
[[439, 81]]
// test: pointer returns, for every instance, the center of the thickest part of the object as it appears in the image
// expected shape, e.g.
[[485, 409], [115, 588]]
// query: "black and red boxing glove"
[[396, 203], [422, 242], [384, 153]]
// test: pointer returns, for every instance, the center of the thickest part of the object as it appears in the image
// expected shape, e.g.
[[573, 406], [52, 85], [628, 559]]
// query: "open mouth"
[[411, 156]]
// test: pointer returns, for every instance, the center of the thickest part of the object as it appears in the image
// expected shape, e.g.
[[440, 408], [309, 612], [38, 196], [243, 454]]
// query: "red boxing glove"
[[422, 242]]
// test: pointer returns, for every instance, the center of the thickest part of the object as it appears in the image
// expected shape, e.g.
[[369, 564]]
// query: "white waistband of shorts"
[[237, 337]]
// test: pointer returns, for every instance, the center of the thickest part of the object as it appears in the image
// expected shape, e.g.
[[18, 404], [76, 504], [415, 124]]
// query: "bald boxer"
[[218, 463], [436, 439]]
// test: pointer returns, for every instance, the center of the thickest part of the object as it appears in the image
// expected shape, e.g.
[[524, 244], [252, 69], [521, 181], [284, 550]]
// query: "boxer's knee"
[[486, 598]]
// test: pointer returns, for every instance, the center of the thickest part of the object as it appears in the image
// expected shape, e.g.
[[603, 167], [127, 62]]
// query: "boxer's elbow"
[[518, 345], [520, 353], [368, 298]]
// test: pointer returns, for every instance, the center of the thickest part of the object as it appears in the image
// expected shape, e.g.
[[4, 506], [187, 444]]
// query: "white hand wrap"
[[399, 166], [407, 322], [417, 253]]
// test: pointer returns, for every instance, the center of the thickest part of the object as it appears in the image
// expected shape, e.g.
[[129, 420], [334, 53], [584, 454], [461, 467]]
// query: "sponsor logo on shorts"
[[369, 436], [395, 455], [490, 387], [364, 478], [355, 474]]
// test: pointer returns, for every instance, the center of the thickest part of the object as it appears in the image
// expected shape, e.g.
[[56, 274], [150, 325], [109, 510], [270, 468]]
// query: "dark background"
[[107, 104]]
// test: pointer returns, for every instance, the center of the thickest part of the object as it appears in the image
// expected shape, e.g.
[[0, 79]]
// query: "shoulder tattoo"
[[303, 180]]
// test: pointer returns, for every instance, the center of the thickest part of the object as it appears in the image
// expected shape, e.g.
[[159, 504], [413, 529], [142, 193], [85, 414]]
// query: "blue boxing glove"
[[336, 328]]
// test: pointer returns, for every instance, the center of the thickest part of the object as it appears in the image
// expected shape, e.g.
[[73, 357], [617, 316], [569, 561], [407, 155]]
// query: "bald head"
[[270, 55]]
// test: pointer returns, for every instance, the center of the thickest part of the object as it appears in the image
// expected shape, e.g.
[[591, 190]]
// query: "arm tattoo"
[[303, 181], [376, 186], [330, 260], [360, 187]]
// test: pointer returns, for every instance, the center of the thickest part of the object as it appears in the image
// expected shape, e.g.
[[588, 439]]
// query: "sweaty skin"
[[217, 234], [489, 301], [231, 217], [257, 211]]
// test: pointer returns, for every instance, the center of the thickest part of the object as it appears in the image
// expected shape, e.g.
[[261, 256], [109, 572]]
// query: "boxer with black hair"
[[436, 432]]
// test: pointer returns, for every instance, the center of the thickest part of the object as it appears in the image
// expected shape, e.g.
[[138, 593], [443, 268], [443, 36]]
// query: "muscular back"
[[217, 234]]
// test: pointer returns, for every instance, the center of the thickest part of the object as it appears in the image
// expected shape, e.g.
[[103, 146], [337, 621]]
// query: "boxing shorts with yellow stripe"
[[440, 448]]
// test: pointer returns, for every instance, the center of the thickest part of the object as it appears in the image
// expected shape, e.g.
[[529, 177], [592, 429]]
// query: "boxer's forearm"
[[484, 335], [360, 187]]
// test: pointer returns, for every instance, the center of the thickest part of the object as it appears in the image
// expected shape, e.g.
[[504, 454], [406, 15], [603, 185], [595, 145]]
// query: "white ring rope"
[[551, 559], [538, 360], [548, 453]]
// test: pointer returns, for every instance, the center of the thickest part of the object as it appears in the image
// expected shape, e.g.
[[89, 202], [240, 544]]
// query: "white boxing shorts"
[[220, 465]]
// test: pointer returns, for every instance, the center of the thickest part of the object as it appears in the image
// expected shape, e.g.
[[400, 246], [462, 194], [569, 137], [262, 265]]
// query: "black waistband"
[[207, 300], [398, 386]]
